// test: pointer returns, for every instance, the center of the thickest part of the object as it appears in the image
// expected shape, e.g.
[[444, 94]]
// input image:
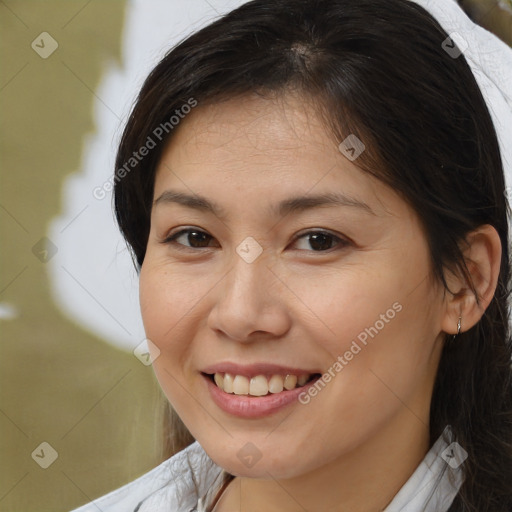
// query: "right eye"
[[192, 236]]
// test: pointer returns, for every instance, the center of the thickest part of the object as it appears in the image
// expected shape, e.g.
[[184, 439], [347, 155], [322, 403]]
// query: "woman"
[[317, 209]]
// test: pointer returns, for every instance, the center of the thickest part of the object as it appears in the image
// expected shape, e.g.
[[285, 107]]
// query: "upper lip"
[[251, 370]]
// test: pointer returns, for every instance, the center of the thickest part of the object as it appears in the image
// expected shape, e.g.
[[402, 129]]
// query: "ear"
[[482, 254]]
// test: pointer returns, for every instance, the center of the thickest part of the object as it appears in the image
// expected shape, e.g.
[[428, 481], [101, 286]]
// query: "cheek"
[[166, 304], [155, 298], [163, 305], [339, 305], [377, 333], [167, 298], [174, 304]]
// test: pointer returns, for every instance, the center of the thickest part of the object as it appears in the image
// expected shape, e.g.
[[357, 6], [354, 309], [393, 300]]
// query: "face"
[[259, 287]]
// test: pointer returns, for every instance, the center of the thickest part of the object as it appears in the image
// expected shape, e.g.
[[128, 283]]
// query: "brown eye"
[[195, 237], [321, 241]]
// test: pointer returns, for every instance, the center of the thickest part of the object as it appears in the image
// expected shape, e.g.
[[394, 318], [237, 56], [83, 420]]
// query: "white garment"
[[188, 481], [490, 59]]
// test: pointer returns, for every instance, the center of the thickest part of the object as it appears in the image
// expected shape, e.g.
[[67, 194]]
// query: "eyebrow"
[[295, 204]]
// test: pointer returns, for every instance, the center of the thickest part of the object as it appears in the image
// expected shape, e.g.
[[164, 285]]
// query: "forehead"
[[256, 124], [251, 145]]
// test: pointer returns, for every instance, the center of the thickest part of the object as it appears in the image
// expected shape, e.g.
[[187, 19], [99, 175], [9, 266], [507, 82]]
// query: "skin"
[[299, 306]]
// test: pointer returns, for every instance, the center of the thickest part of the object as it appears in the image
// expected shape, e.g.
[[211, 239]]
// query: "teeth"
[[258, 385], [219, 380], [227, 385], [240, 385], [275, 384], [290, 381], [302, 380]]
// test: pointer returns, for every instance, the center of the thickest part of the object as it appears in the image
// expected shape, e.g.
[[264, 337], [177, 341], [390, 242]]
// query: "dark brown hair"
[[376, 69]]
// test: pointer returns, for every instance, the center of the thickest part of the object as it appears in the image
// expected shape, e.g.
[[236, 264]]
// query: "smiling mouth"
[[259, 385]]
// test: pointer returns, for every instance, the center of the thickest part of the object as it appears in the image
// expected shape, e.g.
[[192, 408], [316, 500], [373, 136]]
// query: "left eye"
[[320, 241]]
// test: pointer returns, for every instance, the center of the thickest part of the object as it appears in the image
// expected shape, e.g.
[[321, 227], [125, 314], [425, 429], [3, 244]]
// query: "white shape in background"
[[8, 311], [92, 276]]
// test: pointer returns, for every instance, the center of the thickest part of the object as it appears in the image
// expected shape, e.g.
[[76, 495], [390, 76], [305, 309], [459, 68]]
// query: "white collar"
[[436, 481]]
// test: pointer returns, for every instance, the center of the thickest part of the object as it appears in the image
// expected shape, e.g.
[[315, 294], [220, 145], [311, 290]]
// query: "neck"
[[365, 479]]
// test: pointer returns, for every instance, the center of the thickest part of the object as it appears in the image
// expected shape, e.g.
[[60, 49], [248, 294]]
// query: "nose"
[[250, 302]]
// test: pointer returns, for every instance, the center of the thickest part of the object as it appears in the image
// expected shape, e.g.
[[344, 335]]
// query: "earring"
[[458, 328]]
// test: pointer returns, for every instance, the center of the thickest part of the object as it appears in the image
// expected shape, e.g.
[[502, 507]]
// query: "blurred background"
[[80, 409]]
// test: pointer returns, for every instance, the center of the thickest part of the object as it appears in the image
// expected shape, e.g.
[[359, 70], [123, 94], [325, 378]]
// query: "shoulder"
[[179, 480]]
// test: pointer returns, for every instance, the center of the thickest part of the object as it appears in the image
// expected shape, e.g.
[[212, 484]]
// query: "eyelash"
[[171, 240]]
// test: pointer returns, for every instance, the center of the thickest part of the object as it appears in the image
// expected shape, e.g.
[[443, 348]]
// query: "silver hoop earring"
[[458, 328]]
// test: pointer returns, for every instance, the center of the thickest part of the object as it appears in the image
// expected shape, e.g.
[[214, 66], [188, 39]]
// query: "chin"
[[267, 467]]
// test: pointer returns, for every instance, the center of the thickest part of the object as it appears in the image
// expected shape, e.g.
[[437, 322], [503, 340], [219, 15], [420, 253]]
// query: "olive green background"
[[97, 406]]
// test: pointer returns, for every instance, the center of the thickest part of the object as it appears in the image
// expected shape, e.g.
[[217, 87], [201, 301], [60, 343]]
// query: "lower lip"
[[245, 406]]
